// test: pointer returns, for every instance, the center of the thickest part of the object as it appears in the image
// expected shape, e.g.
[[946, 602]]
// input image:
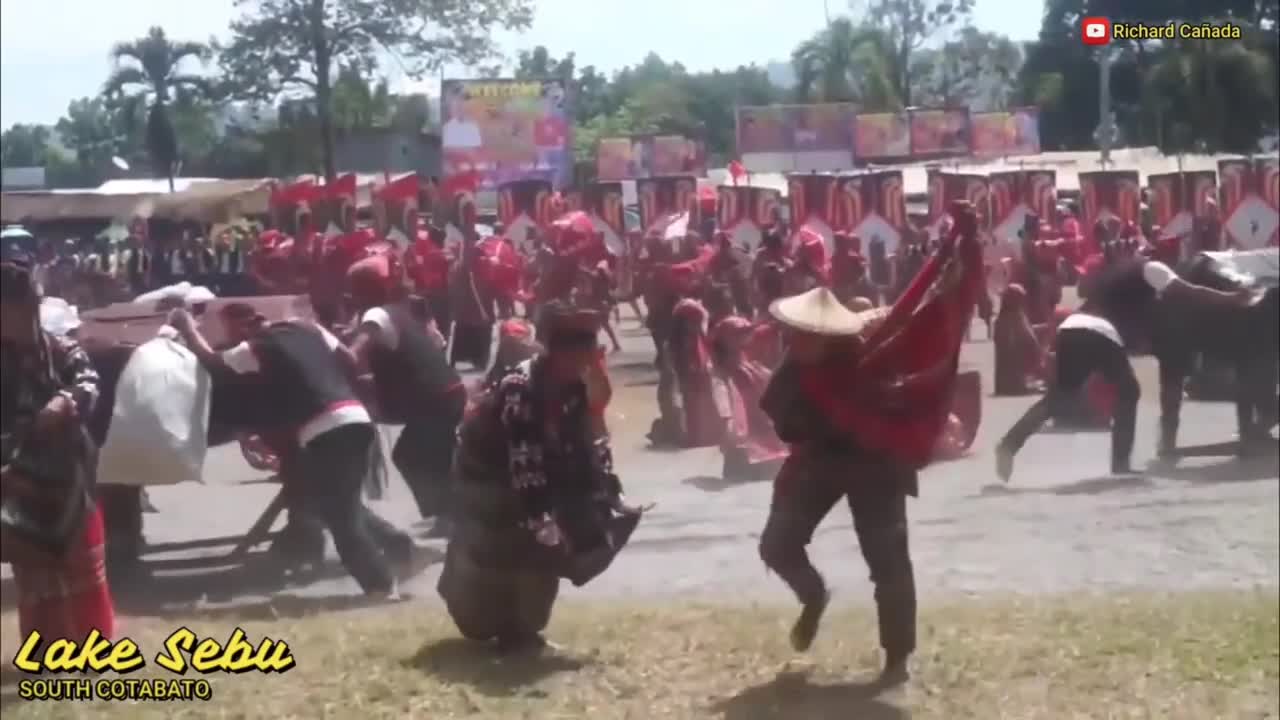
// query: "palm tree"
[[847, 63], [1224, 91], [151, 66]]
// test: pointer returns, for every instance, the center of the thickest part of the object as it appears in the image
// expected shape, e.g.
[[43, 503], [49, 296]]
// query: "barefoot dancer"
[[307, 374], [1116, 315], [826, 466], [412, 378]]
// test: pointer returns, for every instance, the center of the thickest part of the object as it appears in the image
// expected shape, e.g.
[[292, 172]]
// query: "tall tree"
[[1222, 91], [92, 131], [1156, 87], [150, 68], [24, 145], [974, 68], [357, 103], [909, 25], [845, 62], [278, 45]]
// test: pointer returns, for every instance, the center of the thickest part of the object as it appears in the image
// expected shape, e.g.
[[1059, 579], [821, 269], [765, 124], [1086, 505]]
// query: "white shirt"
[[1158, 275], [461, 134], [1094, 323], [243, 360], [388, 335]]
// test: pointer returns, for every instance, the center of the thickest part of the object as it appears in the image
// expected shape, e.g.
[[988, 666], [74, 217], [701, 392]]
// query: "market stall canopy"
[[213, 201]]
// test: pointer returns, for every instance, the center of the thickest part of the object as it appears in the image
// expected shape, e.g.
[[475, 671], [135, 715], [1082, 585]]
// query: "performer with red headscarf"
[[1018, 356], [413, 380], [749, 443], [849, 270], [427, 265], [471, 305], [691, 358]]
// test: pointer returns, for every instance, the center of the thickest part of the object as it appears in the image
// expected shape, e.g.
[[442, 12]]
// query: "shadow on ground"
[[1230, 470], [481, 666], [792, 696], [250, 589], [1088, 486]]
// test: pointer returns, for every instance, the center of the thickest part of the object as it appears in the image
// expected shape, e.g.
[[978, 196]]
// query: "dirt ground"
[[1062, 525], [1067, 593]]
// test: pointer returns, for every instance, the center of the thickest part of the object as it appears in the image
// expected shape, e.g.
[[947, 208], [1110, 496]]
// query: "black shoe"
[[1123, 469], [806, 627]]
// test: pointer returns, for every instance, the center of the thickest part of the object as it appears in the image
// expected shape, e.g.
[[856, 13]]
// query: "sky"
[[54, 51]]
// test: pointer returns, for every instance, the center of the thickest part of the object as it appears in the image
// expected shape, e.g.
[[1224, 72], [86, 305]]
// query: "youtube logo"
[[1095, 31]]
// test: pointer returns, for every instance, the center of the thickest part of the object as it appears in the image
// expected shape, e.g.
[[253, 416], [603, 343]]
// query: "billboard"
[[795, 138], [501, 131], [1015, 132], [939, 132], [882, 136], [645, 156]]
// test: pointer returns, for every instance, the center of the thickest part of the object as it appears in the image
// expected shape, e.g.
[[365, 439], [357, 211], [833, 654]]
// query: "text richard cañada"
[[62, 668]]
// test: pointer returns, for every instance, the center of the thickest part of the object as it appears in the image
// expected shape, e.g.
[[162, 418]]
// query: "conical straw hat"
[[818, 311]]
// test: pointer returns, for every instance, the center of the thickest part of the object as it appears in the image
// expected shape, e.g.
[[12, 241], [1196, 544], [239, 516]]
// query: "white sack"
[[160, 422], [57, 316]]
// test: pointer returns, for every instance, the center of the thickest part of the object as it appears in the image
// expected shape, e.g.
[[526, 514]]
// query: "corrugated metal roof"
[[147, 186]]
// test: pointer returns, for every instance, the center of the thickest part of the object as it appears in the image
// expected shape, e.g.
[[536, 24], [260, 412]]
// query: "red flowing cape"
[[898, 394]]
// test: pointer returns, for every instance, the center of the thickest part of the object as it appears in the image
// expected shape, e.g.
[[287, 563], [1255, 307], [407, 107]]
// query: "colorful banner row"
[[780, 138], [499, 131], [645, 156]]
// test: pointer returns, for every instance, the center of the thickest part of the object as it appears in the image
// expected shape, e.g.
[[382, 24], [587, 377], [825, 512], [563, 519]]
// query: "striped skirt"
[[69, 598]]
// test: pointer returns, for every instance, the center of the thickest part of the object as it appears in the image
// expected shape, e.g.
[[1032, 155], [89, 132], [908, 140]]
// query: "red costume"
[[691, 360], [750, 432], [906, 373]]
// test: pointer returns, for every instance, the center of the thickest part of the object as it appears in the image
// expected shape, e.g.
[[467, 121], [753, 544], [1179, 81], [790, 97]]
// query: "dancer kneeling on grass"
[[537, 499]]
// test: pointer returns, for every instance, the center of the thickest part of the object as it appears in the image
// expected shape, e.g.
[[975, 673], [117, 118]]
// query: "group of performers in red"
[[800, 353]]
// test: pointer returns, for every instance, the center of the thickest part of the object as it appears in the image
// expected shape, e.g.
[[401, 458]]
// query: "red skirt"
[[69, 599]]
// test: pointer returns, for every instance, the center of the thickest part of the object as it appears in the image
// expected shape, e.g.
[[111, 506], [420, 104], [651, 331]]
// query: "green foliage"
[[150, 68], [24, 145], [278, 45], [318, 61], [1180, 95]]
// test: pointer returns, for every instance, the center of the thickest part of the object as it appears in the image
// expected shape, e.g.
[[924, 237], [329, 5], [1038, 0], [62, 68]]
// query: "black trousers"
[[424, 452], [876, 493], [335, 466], [1081, 353]]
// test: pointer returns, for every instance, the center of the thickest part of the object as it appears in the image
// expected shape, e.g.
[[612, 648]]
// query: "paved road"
[[1062, 524]]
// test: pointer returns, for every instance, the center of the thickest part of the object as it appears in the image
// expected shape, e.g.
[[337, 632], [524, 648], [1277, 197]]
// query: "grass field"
[[1193, 656]]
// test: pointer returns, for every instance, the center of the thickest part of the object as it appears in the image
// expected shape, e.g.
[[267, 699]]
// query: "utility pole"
[[1106, 133]]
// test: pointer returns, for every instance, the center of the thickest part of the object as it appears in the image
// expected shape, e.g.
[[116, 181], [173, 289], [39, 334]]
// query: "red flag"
[[736, 171], [906, 375]]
